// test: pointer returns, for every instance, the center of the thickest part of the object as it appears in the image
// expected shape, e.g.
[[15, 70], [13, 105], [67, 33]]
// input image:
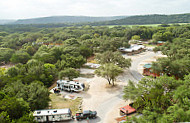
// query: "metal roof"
[[147, 65], [51, 112], [160, 42]]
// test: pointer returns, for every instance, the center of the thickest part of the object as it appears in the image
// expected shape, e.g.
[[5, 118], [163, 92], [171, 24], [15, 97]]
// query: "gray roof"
[[51, 112]]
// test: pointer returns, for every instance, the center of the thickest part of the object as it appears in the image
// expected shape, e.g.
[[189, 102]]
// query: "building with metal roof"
[[52, 115]]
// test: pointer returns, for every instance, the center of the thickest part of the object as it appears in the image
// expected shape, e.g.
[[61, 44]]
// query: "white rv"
[[52, 115], [70, 85]]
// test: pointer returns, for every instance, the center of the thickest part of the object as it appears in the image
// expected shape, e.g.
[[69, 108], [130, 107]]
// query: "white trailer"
[[52, 115], [70, 85]]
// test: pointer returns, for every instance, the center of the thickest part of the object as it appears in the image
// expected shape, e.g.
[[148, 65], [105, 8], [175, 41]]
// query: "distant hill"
[[148, 19], [65, 19], [6, 21]]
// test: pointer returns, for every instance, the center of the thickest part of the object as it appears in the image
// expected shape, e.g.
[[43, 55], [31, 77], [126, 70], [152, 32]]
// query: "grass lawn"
[[152, 25], [58, 102]]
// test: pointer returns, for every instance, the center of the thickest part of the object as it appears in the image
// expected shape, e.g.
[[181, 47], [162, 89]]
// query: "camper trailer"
[[70, 85], [52, 115]]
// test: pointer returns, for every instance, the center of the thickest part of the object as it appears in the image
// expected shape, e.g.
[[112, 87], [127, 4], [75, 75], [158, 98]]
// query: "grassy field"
[[152, 25], [58, 102]]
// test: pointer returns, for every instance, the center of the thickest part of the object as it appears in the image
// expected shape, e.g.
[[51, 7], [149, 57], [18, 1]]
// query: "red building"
[[148, 72], [160, 43]]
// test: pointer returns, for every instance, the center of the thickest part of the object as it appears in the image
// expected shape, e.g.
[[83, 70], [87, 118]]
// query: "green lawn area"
[[58, 102], [152, 25]]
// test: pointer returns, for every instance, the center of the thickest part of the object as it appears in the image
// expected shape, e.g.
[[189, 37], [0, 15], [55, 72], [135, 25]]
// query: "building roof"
[[128, 109], [160, 42], [132, 48], [147, 65], [51, 112]]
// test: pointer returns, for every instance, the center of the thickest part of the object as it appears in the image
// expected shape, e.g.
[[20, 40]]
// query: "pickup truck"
[[86, 114]]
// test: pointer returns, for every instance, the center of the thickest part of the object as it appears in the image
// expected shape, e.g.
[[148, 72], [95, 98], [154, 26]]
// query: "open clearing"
[[59, 102], [152, 25], [100, 96]]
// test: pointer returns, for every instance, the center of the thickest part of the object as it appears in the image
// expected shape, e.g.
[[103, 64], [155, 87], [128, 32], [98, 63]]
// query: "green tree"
[[3, 33], [2, 72], [158, 36], [110, 44], [164, 99], [85, 36], [16, 89], [30, 50], [6, 54], [109, 71], [71, 73], [12, 72], [168, 36], [20, 57], [85, 51], [14, 107], [115, 58], [38, 96], [44, 57], [72, 61], [4, 117], [135, 37], [71, 42]]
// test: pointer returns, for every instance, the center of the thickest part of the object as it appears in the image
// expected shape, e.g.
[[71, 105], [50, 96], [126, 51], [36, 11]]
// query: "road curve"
[[129, 74]]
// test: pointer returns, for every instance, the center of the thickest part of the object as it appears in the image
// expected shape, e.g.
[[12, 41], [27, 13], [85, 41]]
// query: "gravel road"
[[129, 74]]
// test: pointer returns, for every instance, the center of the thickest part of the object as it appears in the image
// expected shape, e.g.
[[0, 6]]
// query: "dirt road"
[[106, 101]]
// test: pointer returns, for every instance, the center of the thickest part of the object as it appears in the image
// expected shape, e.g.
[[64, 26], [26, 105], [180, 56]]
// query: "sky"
[[22, 9]]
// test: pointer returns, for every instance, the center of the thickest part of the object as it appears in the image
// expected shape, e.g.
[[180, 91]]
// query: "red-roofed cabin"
[[160, 43], [126, 110]]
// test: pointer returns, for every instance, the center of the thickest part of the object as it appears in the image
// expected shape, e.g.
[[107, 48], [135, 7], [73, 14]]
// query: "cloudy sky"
[[20, 9]]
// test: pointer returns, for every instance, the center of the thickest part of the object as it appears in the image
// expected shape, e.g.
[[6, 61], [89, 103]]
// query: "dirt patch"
[[87, 75], [59, 102], [111, 86], [115, 112]]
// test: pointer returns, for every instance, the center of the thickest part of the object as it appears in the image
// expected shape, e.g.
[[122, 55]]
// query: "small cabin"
[[52, 115], [160, 43], [147, 71]]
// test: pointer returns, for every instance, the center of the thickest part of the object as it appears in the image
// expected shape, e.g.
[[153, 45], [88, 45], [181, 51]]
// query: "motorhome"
[[52, 115], [70, 85]]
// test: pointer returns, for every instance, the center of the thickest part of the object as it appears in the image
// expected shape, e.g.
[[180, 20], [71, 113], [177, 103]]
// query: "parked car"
[[86, 114]]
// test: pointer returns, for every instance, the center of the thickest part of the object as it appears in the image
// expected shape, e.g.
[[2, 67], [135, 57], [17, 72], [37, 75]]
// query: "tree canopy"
[[164, 99], [109, 71]]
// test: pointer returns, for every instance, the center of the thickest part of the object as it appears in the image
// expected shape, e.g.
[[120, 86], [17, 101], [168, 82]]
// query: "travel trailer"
[[52, 115], [70, 86]]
